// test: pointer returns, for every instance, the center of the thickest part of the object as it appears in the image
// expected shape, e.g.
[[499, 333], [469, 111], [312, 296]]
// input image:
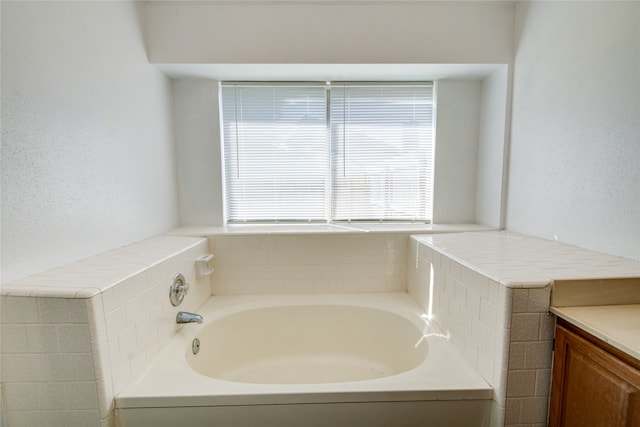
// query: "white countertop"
[[617, 325], [519, 261]]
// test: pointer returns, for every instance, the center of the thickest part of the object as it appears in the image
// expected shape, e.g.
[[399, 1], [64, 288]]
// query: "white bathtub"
[[308, 360]]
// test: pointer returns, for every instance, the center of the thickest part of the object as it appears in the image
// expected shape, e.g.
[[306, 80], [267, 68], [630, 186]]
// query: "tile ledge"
[[545, 274], [48, 292], [63, 282], [302, 229]]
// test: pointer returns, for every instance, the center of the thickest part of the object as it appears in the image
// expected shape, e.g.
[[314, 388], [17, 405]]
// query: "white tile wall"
[[491, 294], [64, 359], [321, 263], [504, 333], [47, 365], [465, 306], [530, 348], [138, 317]]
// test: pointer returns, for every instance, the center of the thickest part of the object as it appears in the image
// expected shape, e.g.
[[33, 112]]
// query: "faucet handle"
[[178, 290]]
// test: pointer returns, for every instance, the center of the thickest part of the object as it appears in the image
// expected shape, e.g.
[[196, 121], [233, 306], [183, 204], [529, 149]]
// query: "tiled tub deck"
[[491, 292], [74, 337]]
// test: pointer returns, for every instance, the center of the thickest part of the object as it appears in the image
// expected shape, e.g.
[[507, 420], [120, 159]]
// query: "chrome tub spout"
[[186, 317]]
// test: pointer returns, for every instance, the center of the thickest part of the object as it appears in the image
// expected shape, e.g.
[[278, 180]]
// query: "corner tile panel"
[[531, 356], [515, 320], [467, 306], [63, 358], [40, 369]]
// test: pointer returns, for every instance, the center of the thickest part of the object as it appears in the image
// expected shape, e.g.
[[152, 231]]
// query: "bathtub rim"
[[158, 385]]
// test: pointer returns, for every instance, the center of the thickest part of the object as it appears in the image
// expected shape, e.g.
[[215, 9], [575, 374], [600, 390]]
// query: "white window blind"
[[292, 153], [276, 152], [382, 145]]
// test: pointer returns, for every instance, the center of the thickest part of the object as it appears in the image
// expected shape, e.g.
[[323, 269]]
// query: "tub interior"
[[308, 344]]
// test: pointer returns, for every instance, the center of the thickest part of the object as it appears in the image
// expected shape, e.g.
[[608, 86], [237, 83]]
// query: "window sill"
[[301, 229]]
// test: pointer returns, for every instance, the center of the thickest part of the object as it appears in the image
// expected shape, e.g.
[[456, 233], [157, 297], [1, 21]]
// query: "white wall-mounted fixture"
[[203, 265]]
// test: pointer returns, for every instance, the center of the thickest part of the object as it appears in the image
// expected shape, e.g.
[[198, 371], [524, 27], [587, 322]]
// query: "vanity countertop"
[[617, 325], [608, 309]]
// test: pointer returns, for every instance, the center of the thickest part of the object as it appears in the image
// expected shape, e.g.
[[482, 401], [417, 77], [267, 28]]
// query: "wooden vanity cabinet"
[[593, 383]]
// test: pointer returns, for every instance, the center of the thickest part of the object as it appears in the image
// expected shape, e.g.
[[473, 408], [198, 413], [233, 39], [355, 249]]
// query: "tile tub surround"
[[116, 285], [491, 293], [47, 367], [268, 264], [122, 294], [75, 336], [267, 259]]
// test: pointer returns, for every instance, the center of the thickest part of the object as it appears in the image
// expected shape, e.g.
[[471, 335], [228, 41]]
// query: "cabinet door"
[[592, 387]]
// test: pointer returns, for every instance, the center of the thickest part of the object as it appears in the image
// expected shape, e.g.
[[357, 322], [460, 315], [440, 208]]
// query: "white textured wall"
[[491, 145], [198, 150], [455, 171], [330, 32], [88, 160], [575, 143]]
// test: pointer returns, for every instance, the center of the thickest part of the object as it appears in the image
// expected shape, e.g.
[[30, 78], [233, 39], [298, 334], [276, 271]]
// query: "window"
[[327, 151]]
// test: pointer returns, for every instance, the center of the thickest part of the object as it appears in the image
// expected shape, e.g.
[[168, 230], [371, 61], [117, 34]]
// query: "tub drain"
[[195, 346]]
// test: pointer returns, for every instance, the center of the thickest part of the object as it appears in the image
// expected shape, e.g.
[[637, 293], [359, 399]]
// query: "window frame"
[[328, 86]]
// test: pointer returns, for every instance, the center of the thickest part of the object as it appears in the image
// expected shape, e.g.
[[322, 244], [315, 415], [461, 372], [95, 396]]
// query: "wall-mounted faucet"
[[186, 317]]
